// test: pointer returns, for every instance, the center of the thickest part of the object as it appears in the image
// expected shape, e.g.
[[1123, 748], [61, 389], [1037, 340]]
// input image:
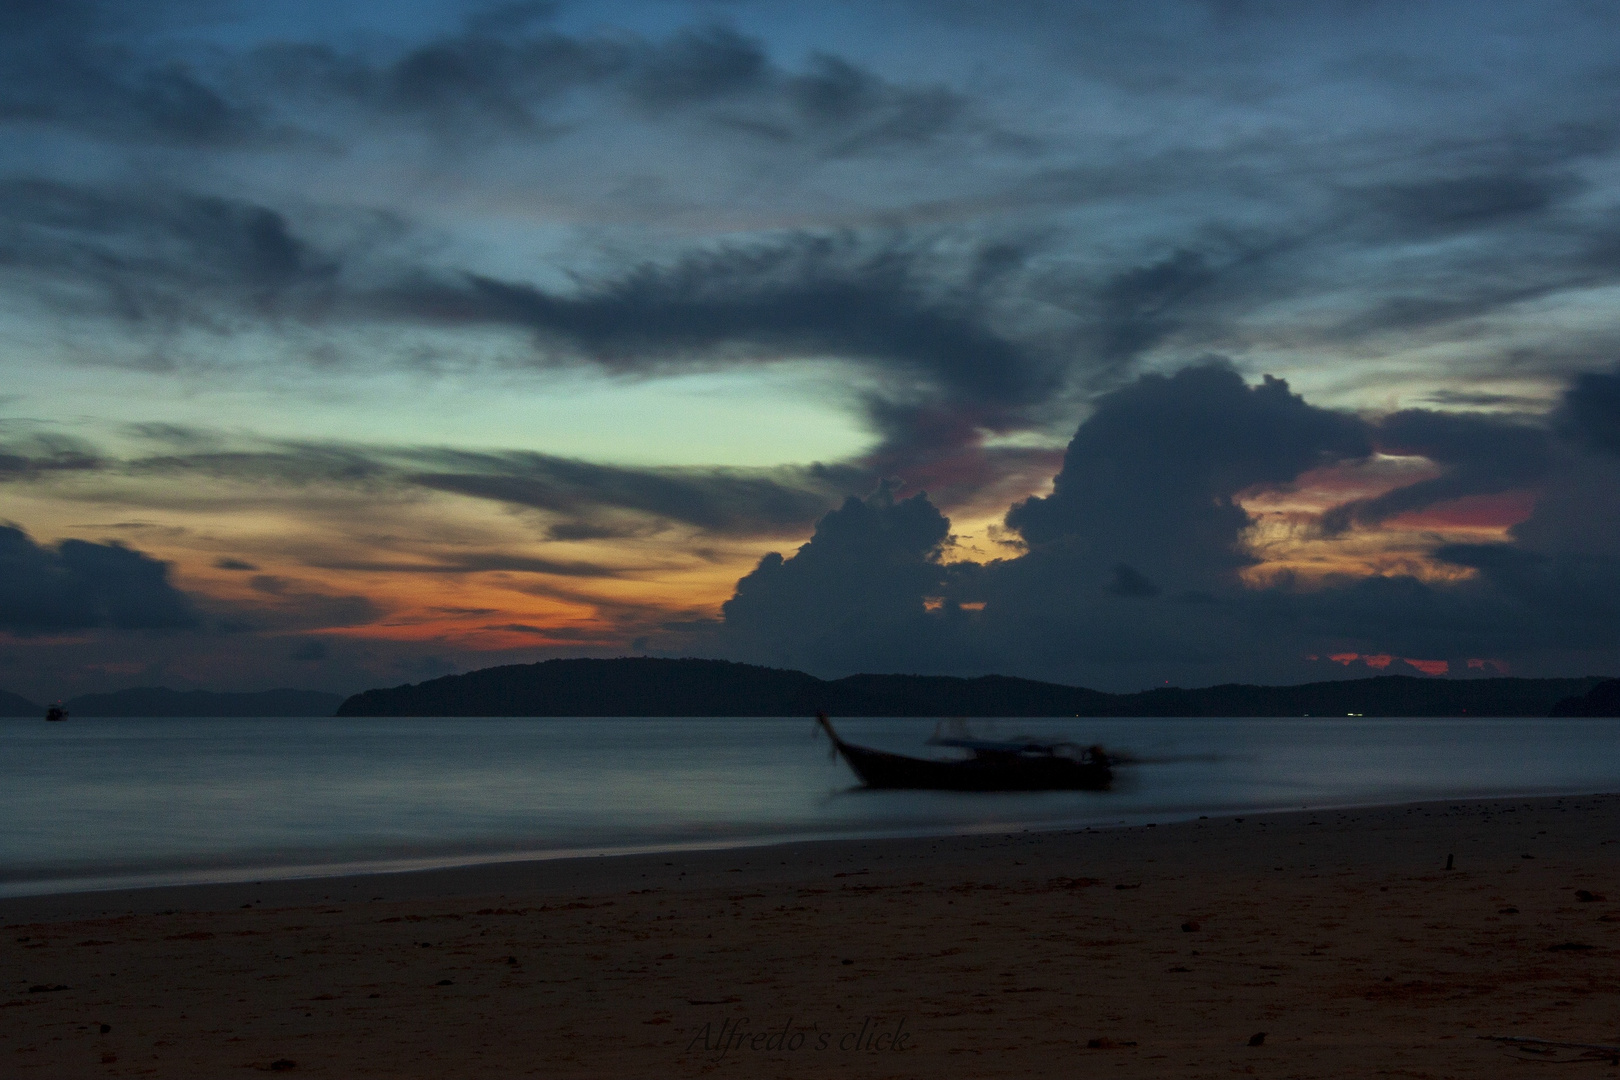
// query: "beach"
[[1162, 950]]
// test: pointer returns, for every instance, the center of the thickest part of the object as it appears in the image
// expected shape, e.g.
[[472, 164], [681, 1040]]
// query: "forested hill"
[[16, 705], [646, 686]]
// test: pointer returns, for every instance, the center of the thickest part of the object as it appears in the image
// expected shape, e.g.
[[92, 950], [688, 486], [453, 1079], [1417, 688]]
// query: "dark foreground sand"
[[1140, 952]]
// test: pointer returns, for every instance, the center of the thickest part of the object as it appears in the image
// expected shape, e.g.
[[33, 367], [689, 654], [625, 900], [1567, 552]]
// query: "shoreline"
[[1139, 951], [604, 868], [269, 877]]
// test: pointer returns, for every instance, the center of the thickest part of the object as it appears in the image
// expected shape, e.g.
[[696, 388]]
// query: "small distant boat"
[[996, 765], [56, 712]]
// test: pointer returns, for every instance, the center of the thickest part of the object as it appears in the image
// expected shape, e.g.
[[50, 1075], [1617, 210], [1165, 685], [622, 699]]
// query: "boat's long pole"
[[826, 725]]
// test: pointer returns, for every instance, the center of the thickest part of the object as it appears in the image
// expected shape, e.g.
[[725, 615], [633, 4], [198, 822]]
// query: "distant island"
[[16, 705], [647, 686], [161, 701], [1602, 700]]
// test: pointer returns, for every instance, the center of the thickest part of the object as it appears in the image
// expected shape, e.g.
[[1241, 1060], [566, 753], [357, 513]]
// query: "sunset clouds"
[[348, 343]]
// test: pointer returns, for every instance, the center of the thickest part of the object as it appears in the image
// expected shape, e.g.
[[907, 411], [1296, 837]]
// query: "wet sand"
[[1141, 952]]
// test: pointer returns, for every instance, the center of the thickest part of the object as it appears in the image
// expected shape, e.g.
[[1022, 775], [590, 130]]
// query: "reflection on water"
[[93, 803]]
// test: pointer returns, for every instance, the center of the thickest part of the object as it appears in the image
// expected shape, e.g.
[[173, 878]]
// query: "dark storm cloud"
[[477, 82], [944, 328], [86, 65], [1132, 559], [867, 112], [1128, 575], [946, 349], [1394, 614], [1443, 256], [1525, 601], [68, 63], [156, 257], [159, 256], [952, 345], [1591, 410], [525, 77], [1480, 455], [590, 500], [1142, 519], [1130, 582], [955, 346], [805, 296], [1138, 305], [1150, 480], [699, 66], [1324, 183], [80, 586], [506, 72], [1424, 209], [720, 501], [959, 346], [859, 584], [1552, 591]]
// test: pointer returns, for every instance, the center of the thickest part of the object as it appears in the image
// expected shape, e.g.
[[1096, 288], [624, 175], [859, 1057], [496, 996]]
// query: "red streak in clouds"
[[1498, 512], [1498, 666], [1372, 660], [1380, 661], [1330, 485]]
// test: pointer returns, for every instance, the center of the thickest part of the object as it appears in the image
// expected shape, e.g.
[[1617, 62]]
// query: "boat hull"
[[879, 769]]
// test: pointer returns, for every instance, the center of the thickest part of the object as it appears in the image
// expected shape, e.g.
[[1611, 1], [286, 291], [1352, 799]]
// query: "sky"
[[348, 344]]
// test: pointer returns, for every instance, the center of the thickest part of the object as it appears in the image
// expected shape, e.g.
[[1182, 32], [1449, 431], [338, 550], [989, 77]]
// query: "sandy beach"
[[1152, 951]]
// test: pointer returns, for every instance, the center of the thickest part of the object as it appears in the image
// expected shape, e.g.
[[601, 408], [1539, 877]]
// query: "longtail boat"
[[994, 765]]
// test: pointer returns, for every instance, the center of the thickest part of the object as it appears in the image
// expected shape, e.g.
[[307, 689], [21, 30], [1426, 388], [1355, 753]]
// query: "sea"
[[94, 804]]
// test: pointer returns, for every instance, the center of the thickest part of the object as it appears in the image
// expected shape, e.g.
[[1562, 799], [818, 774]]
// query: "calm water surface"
[[101, 803]]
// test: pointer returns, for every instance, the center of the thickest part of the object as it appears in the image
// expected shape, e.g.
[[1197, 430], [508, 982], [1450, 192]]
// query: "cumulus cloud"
[[1141, 525], [1129, 576], [1150, 480], [862, 582], [80, 585]]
